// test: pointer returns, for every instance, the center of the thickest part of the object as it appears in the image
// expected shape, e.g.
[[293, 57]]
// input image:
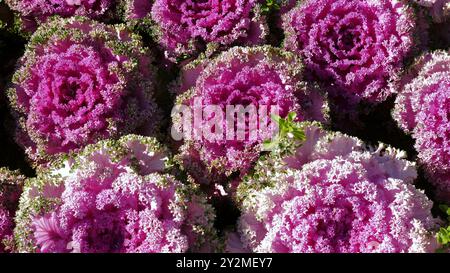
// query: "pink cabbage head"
[[38, 11], [185, 28], [114, 196], [10, 189], [81, 81], [355, 48], [335, 195], [257, 76], [423, 109]]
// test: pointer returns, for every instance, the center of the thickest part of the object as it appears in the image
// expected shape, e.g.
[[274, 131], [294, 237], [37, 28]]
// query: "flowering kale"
[[113, 197], [355, 48], [332, 194], [423, 109], [249, 77], [248, 83], [10, 189], [38, 11], [184, 28], [78, 82]]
